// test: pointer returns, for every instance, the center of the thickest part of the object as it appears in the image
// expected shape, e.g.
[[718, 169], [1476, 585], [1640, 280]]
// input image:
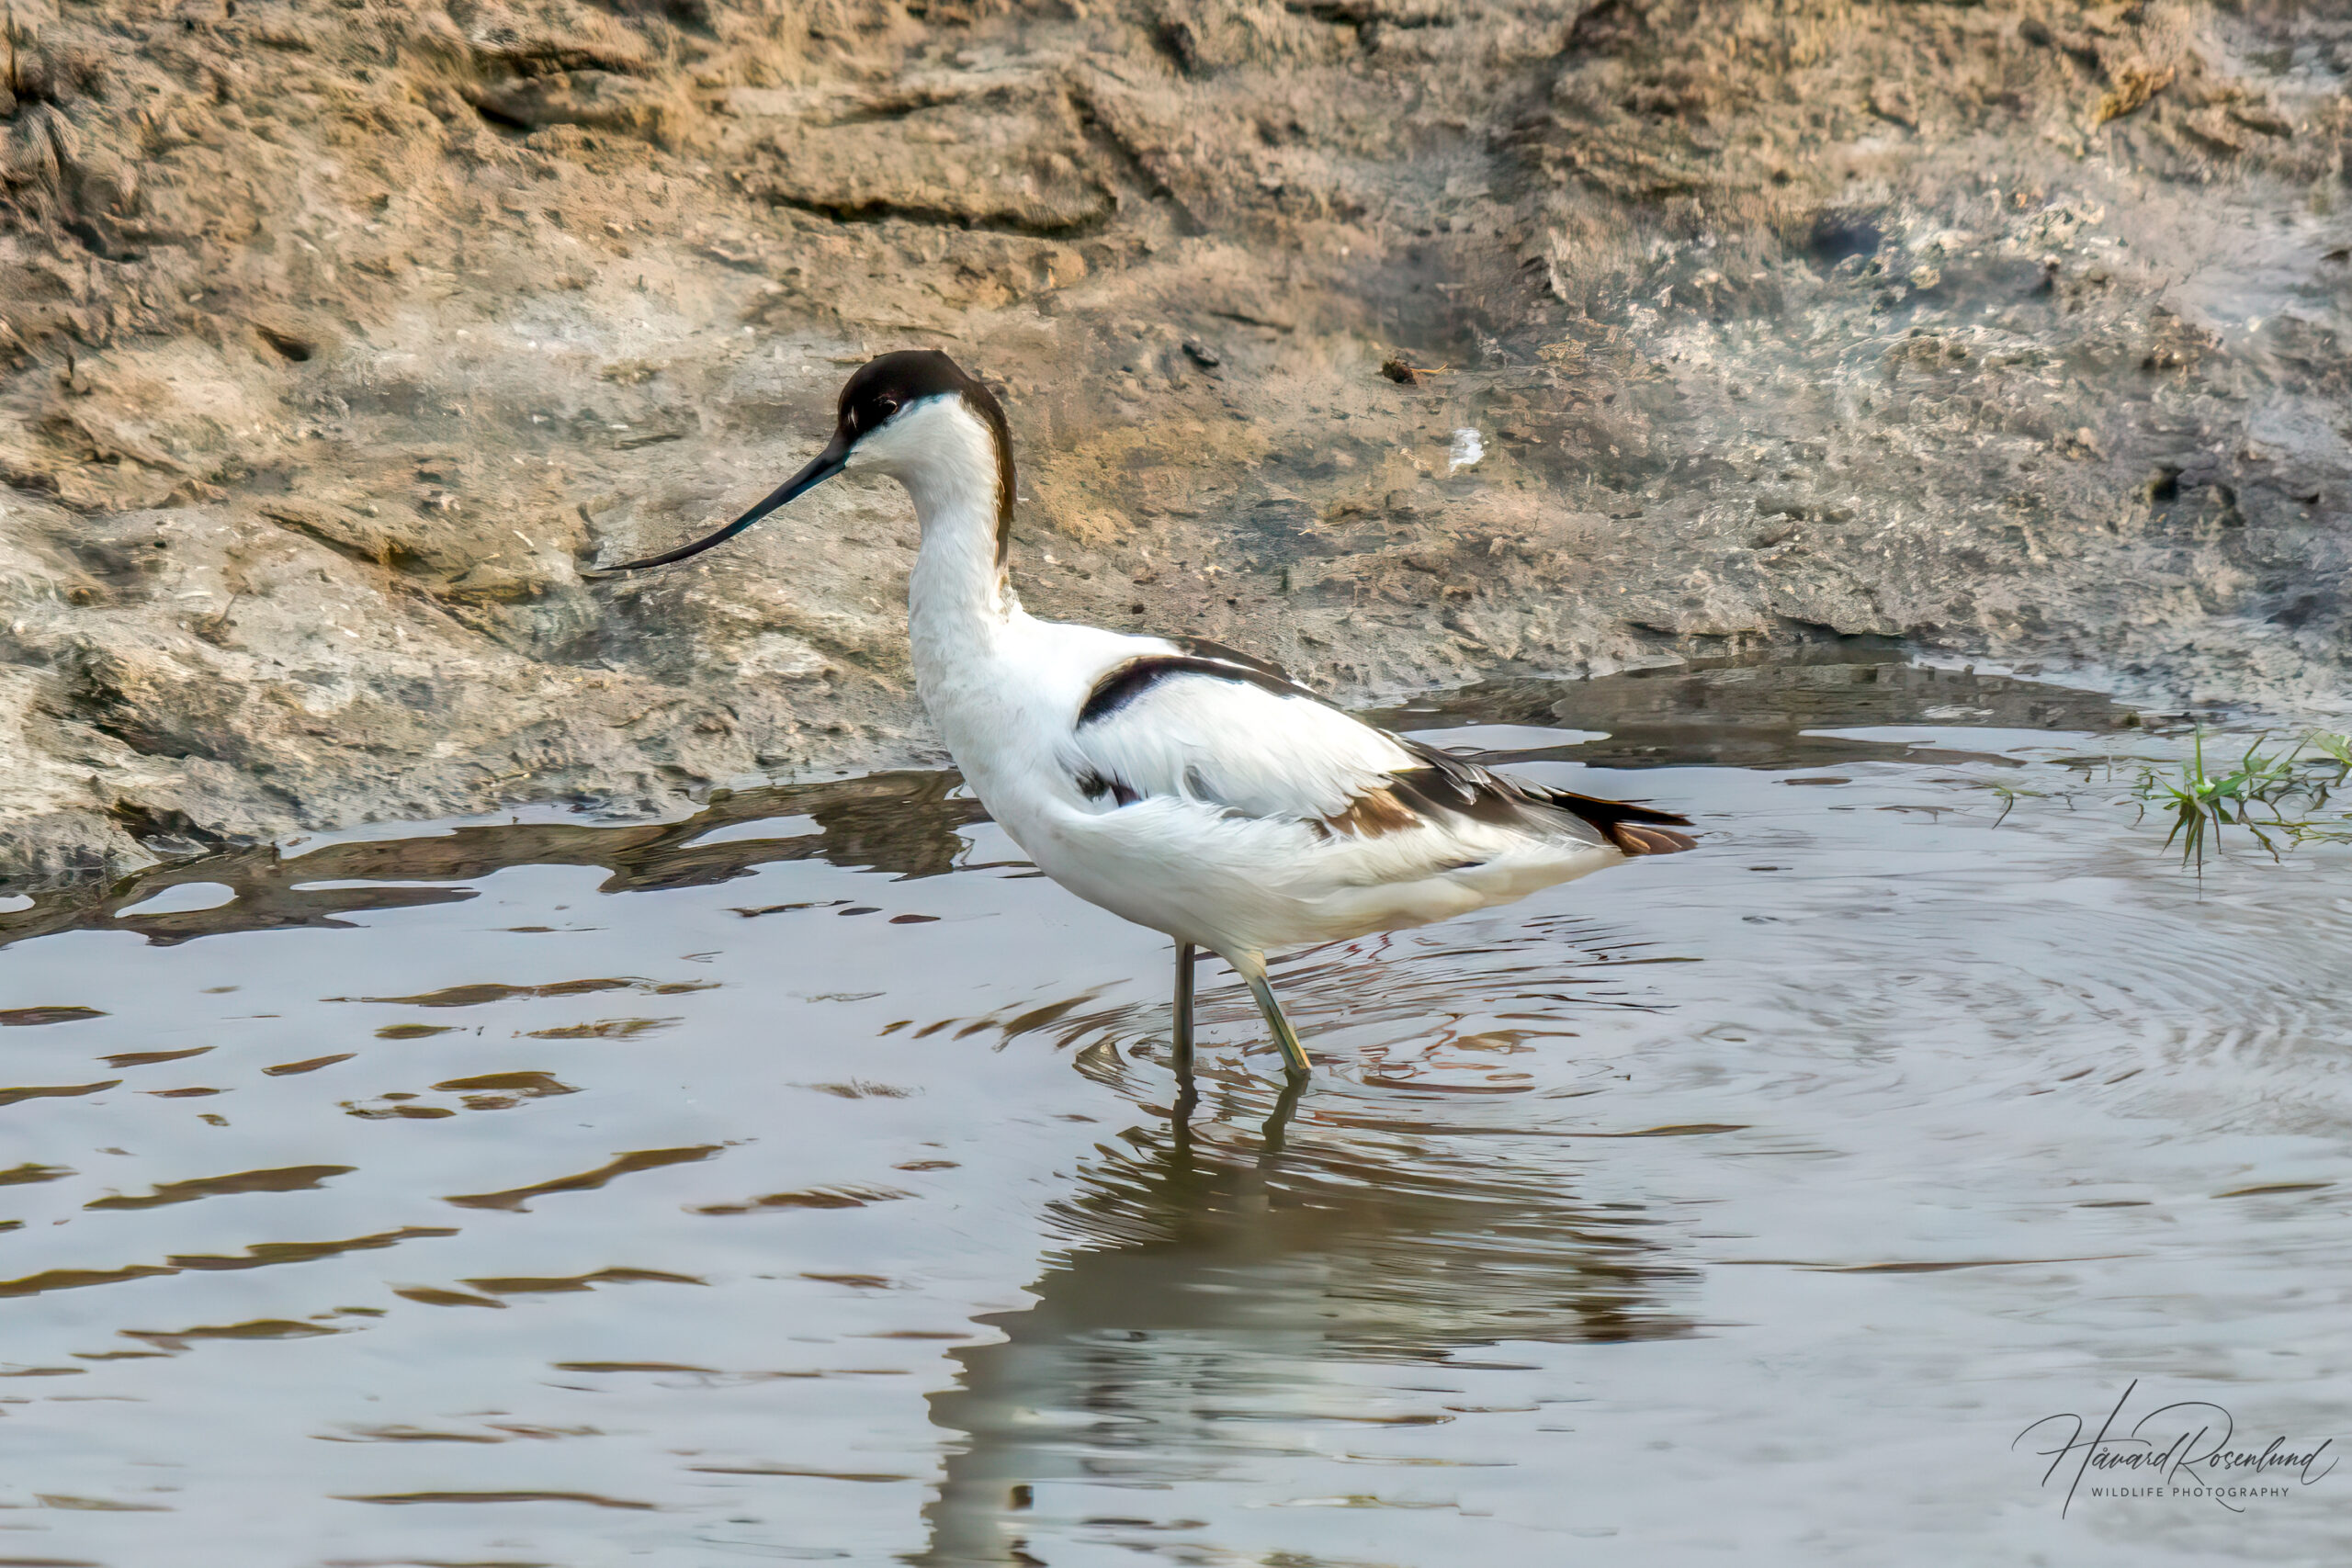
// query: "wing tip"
[[1646, 839], [1635, 828]]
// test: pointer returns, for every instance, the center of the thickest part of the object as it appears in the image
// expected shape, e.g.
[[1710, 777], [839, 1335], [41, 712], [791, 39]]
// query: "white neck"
[[956, 599]]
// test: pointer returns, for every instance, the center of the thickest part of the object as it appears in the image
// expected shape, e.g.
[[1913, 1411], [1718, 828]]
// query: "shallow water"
[[797, 1183]]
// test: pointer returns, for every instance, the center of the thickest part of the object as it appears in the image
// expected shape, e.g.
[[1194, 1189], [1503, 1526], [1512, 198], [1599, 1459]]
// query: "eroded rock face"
[[338, 340], [1007, 154]]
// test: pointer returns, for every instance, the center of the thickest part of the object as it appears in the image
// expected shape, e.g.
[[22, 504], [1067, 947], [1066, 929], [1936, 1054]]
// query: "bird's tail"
[[1635, 829]]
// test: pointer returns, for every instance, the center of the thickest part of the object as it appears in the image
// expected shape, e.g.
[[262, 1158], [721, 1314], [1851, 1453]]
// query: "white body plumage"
[[1220, 829]]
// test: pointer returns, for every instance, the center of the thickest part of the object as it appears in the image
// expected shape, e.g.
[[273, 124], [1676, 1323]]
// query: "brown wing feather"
[[1373, 813]]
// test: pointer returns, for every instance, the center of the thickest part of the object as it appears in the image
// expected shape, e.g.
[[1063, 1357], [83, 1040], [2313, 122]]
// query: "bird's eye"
[[887, 406]]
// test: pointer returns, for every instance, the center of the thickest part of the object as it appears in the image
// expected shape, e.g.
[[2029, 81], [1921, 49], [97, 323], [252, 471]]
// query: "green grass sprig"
[[2278, 796]]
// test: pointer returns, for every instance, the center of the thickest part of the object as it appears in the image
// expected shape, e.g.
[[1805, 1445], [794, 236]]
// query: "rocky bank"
[[1406, 341]]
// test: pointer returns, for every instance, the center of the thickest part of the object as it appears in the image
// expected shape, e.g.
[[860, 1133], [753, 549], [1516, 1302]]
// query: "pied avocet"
[[1188, 788]]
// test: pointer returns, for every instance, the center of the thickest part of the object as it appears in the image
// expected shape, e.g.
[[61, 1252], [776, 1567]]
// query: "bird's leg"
[[1253, 971], [1187, 1094], [1184, 1028], [1277, 1127]]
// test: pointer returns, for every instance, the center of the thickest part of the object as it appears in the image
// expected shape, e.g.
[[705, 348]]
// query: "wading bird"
[[1177, 782]]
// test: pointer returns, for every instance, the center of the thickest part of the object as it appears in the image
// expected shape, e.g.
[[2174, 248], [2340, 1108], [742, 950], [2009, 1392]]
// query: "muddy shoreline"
[[339, 342]]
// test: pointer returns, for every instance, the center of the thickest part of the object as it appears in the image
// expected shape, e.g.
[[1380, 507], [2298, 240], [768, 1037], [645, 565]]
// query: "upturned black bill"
[[822, 467]]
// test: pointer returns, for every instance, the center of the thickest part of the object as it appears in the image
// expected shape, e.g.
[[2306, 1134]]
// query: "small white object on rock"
[[1468, 448]]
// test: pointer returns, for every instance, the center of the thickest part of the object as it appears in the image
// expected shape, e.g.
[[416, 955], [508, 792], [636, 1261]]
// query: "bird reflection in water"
[[1223, 1273]]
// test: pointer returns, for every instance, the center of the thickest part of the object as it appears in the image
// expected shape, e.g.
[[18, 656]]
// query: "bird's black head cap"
[[881, 386]]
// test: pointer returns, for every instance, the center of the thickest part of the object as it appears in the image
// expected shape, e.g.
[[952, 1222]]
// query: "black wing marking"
[[1123, 683], [1201, 647], [1449, 784], [1094, 785]]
